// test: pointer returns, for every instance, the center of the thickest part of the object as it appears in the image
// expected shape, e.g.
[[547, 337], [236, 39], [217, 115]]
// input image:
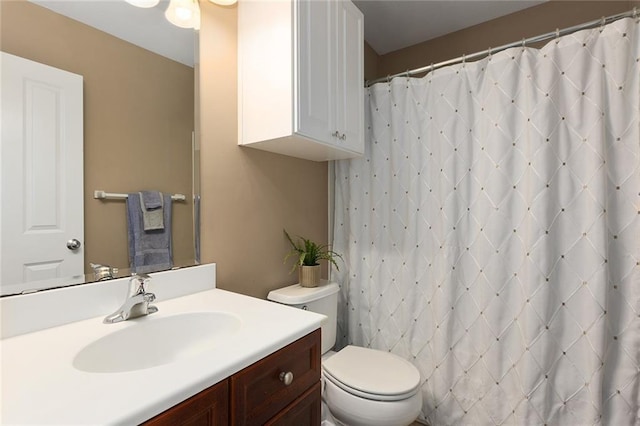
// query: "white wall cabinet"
[[301, 79]]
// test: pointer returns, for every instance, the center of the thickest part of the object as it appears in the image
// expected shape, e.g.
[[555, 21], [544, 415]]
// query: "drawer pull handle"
[[286, 378]]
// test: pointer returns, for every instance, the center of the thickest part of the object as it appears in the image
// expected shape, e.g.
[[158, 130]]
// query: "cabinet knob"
[[337, 134], [286, 378]]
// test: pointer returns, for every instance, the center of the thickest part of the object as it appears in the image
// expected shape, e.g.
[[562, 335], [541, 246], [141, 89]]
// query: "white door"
[[41, 175]]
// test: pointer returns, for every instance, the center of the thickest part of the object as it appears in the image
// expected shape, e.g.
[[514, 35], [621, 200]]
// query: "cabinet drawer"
[[258, 393]]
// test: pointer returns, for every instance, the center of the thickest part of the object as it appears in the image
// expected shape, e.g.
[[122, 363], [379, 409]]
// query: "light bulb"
[[143, 3], [183, 13], [224, 2]]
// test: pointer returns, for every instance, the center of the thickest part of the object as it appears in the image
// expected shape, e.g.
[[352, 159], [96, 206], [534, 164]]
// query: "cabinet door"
[[350, 81], [208, 408], [260, 392], [316, 70], [304, 411]]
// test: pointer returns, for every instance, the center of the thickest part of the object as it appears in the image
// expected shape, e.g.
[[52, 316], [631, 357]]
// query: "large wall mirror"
[[138, 123]]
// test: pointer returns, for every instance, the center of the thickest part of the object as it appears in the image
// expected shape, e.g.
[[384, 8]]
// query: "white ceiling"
[[147, 28], [389, 24], [395, 24]]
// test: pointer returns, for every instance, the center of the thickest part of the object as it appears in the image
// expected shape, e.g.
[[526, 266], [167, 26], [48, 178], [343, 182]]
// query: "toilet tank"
[[322, 300]]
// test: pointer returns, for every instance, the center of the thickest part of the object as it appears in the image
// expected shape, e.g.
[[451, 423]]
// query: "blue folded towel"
[[152, 199], [152, 217], [149, 251]]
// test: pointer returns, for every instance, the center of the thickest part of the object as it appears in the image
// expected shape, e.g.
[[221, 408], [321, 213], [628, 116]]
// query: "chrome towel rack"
[[102, 195]]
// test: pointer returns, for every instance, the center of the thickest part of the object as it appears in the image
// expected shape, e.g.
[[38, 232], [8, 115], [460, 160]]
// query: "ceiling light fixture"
[[143, 3], [184, 13], [224, 2]]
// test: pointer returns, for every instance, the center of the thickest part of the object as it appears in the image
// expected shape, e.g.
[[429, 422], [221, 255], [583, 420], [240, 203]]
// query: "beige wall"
[[138, 119], [248, 196], [527, 23], [371, 60]]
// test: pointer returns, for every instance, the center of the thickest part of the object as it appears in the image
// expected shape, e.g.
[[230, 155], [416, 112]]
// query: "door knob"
[[73, 244]]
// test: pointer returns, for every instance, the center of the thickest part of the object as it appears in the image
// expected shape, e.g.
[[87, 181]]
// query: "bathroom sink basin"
[[153, 341]]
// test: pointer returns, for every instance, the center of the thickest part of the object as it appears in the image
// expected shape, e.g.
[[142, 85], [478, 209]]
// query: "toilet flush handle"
[[286, 378]]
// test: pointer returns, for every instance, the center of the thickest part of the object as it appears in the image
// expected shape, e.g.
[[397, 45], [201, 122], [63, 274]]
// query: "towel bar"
[[98, 194]]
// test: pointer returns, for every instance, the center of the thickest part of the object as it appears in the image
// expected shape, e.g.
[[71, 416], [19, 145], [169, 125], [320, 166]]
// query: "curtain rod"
[[547, 36]]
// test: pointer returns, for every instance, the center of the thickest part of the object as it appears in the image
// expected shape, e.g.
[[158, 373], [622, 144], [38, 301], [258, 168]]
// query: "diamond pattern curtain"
[[491, 233]]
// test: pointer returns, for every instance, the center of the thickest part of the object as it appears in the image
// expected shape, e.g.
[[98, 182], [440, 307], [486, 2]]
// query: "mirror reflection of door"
[[41, 176]]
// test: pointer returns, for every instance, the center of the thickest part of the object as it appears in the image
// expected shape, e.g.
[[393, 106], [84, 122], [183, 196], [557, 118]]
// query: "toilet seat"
[[372, 374]]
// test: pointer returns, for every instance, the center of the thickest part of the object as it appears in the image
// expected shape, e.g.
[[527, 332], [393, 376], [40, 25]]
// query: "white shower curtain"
[[491, 233]]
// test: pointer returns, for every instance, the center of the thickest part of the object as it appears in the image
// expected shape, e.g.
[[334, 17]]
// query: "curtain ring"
[[490, 53], [635, 13], [407, 74], [464, 60], [557, 35], [524, 42], [388, 78], [603, 21], [431, 67]]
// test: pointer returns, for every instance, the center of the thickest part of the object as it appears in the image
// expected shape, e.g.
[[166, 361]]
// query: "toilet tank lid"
[[296, 294]]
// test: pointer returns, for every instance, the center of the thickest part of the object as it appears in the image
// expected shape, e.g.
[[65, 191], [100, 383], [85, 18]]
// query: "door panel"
[[350, 50], [316, 70]]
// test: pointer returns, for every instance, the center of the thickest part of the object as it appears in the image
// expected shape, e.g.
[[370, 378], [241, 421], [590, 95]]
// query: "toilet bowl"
[[368, 387], [349, 410], [360, 386]]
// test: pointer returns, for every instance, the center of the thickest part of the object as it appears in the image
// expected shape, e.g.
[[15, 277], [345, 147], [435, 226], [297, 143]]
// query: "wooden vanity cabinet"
[[209, 407], [259, 391], [303, 411], [259, 394]]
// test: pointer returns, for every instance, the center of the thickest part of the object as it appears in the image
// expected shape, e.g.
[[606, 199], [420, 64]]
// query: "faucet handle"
[[141, 276], [137, 282]]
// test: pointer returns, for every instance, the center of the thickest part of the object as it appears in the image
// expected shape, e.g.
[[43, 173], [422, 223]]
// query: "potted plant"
[[307, 254]]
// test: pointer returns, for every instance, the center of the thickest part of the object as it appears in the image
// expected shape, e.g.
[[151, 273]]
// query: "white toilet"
[[361, 386]]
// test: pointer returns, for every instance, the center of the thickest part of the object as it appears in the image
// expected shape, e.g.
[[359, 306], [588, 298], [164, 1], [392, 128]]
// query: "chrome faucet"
[[103, 272], [137, 303]]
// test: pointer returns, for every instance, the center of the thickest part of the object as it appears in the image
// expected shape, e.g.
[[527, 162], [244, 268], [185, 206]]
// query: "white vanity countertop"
[[41, 386]]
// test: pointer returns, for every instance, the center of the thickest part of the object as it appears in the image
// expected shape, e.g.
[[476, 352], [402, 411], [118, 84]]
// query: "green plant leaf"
[[309, 253]]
